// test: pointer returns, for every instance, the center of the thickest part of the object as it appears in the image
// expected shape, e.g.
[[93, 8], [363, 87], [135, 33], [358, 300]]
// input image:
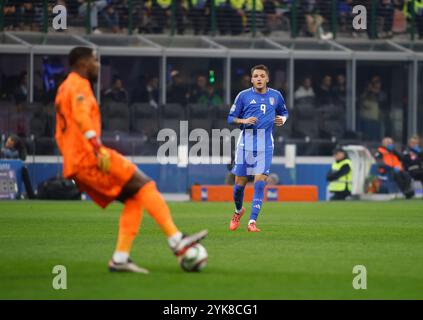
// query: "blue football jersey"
[[263, 106]]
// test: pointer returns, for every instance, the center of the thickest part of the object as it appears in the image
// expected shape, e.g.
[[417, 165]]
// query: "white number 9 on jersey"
[[263, 108]]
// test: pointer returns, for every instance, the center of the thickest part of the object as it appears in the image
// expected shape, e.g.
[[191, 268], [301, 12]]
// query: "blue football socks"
[[238, 197], [257, 199]]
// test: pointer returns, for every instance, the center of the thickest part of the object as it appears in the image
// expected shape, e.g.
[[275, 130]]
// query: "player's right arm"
[[235, 113], [81, 115]]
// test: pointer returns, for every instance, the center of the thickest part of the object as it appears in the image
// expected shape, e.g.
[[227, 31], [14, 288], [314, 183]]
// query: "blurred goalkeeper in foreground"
[[102, 173]]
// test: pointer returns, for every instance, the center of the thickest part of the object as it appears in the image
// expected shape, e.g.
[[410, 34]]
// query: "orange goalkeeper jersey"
[[77, 112]]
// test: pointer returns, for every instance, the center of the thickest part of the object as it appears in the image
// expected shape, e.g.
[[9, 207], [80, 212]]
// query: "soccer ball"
[[194, 259]]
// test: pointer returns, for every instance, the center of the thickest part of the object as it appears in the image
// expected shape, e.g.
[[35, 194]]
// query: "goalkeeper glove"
[[103, 156]]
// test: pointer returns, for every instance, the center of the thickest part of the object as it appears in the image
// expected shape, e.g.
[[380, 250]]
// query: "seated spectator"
[[199, 90], [305, 90], [117, 92], [152, 90], [14, 148], [325, 95], [26, 13], [111, 17], [149, 93], [177, 92], [373, 102], [161, 12], [210, 98], [340, 91], [390, 167], [412, 159], [10, 15], [314, 19], [95, 9]]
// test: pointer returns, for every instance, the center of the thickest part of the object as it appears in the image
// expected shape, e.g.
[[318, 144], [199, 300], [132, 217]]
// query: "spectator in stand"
[[277, 14], [14, 148], [259, 14], [305, 90], [29, 14], [111, 16], [199, 90], [340, 91], [345, 15], [200, 15], [161, 11], [373, 102], [177, 92], [390, 167], [244, 83], [149, 93], [325, 95], [412, 159], [237, 16], [314, 19], [152, 90], [223, 16], [10, 15], [210, 97], [96, 8], [418, 10], [117, 93], [385, 10]]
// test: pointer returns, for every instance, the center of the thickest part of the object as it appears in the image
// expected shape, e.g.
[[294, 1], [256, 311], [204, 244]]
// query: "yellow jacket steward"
[[249, 4], [408, 4], [342, 183], [164, 4]]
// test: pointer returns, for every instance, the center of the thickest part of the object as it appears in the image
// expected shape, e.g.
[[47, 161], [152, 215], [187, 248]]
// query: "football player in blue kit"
[[255, 110]]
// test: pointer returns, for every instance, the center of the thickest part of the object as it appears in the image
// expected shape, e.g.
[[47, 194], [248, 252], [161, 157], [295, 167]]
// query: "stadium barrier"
[[219, 193]]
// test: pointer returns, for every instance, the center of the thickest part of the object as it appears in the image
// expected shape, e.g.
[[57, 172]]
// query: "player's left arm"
[[81, 115], [281, 111]]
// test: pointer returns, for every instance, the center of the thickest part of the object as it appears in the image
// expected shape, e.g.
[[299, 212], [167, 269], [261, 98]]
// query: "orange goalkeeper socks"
[[129, 224], [151, 199]]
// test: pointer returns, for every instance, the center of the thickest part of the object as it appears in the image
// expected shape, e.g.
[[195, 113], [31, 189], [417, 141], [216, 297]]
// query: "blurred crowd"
[[312, 17]]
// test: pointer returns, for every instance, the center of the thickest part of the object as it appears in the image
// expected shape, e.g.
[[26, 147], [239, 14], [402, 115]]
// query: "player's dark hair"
[[79, 53], [260, 67]]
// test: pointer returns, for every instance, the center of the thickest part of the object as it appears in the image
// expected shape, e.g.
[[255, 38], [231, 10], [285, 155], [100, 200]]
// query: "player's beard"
[[93, 77]]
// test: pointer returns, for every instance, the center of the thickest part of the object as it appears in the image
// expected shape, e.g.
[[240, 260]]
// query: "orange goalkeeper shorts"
[[104, 188]]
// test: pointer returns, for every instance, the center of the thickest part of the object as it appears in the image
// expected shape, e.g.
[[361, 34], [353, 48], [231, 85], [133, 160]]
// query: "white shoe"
[[188, 241], [128, 266]]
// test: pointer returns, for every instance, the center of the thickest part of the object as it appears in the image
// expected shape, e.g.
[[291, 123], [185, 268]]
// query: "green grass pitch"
[[305, 251]]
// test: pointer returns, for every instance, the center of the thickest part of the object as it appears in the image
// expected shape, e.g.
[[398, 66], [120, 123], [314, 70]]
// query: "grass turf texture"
[[306, 251]]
